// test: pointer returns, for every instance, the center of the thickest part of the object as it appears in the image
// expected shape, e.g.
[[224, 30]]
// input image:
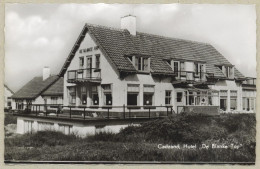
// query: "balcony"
[[189, 77], [249, 83], [91, 75]]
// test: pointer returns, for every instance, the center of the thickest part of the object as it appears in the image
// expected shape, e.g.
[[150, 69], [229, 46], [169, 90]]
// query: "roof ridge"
[[106, 27]]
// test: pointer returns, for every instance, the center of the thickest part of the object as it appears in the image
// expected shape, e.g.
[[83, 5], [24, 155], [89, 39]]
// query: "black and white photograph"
[[130, 83]]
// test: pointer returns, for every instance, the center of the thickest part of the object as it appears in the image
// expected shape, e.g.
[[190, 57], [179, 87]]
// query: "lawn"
[[140, 143]]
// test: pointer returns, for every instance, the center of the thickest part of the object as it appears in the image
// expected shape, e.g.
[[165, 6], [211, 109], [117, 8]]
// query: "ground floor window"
[[107, 93], [168, 97], [19, 104], [9, 103], [248, 103], [28, 126], [132, 94], [95, 98], [179, 96], [132, 99], [65, 129], [223, 103], [54, 100], [233, 99], [83, 95], [148, 95], [72, 95], [45, 126]]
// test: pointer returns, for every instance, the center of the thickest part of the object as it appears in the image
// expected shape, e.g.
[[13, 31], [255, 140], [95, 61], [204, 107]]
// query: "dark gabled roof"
[[34, 88], [8, 88], [117, 43], [56, 89]]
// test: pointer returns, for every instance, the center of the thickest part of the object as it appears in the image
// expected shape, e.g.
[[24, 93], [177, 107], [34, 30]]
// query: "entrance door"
[[89, 67], [223, 104]]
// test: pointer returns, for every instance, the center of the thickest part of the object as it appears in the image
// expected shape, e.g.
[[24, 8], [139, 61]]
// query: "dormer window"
[[228, 71], [140, 63]]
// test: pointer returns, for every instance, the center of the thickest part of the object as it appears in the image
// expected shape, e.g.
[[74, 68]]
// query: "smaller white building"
[[47, 89], [7, 97]]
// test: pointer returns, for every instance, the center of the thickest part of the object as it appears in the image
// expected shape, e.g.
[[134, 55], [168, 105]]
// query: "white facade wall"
[[74, 127], [7, 93], [230, 85]]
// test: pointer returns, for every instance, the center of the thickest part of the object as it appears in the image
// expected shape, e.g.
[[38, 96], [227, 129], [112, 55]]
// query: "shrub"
[[10, 119]]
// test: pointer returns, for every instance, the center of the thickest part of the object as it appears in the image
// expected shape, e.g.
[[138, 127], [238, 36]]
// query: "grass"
[[140, 143]]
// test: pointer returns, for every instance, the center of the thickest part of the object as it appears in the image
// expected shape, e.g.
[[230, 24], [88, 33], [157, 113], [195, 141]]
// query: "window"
[[107, 91], [81, 62], [97, 61], [142, 64], [252, 104], [54, 100], [45, 126], [19, 104], [9, 103], [89, 49], [197, 68], [132, 94], [80, 51], [95, 98], [179, 96], [148, 95], [72, 95], [28, 126], [65, 129], [168, 97], [227, 70], [83, 95], [233, 99], [96, 47], [223, 99], [183, 73], [176, 67]]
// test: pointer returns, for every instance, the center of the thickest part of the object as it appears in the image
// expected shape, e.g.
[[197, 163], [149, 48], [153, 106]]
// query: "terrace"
[[94, 113]]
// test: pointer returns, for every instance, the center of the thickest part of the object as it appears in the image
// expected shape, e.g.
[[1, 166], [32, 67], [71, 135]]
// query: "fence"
[[97, 112]]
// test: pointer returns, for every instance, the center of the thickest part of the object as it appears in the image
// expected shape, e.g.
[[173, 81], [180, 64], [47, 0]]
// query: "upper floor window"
[[81, 62], [97, 61], [140, 63], [228, 71]]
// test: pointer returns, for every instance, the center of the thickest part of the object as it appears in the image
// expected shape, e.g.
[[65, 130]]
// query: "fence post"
[[70, 112], [84, 113], [58, 111], [167, 110], [149, 113], [45, 110], [124, 110], [171, 110], [108, 113], [129, 113]]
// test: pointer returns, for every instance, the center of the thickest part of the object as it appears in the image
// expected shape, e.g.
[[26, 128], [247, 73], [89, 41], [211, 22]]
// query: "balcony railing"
[[249, 81], [84, 75], [190, 77], [90, 113]]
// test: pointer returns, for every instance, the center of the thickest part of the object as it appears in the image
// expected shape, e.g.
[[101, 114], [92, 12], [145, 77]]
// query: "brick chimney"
[[46, 72], [129, 22]]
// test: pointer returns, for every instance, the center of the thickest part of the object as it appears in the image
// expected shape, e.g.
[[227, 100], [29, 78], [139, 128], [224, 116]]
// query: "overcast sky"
[[43, 35]]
